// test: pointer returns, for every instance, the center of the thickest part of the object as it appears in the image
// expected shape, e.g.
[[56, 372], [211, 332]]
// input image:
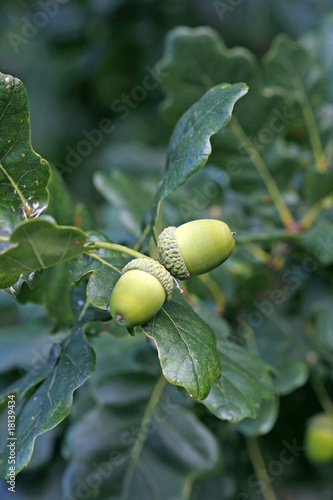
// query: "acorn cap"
[[170, 254], [154, 268], [195, 247]]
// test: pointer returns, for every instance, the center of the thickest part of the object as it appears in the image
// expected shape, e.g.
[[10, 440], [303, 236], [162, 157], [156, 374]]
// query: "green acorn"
[[195, 247], [140, 292], [319, 439]]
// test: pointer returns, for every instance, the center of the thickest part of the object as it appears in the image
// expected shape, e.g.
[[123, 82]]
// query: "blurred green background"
[[92, 51], [76, 66]]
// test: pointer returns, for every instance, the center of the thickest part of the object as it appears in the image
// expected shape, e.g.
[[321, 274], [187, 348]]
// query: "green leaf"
[[282, 160], [44, 450], [317, 241], [61, 204], [244, 383], [196, 59], [103, 267], [84, 311], [53, 291], [324, 323], [142, 441], [105, 440], [84, 217], [263, 424], [291, 376], [325, 40], [41, 369], [318, 185], [7, 224], [186, 71], [133, 156], [293, 69], [117, 357], [186, 347], [16, 341], [189, 146], [23, 173], [281, 341], [39, 244], [31, 280], [217, 323], [27, 350], [52, 401], [126, 195]]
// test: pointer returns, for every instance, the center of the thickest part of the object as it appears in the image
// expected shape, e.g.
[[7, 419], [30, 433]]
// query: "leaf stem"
[[116, 248], [143, 432], [314, 211], [246, 238], [84, 308], [285, 215], [259, 253], [142, 237], [321, 394], [155, 235], [215, 290], [251, 341], [311, 125], [25, 204], [259, 467], [4, 238], [103, 261]]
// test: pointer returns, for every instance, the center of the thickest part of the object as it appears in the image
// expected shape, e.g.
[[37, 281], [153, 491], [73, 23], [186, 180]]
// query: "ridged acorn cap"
[[142, 289], [155, 269], [170, 255], [195, 248]]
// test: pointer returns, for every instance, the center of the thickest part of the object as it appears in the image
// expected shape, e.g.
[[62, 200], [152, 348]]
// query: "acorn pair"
[[189, 250]]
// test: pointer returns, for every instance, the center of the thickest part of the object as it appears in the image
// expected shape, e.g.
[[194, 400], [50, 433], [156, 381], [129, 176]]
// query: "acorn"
[[195, 247], [142, 289], [319, 439]]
